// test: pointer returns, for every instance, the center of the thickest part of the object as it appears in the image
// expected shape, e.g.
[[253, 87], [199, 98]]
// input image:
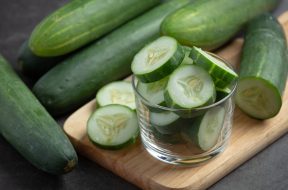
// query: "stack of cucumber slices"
[[114, 123], [183, 78]]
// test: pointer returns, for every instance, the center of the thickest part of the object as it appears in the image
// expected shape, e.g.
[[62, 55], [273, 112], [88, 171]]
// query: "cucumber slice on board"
[[187, 59], [120, 92], [189, 87], [206, 129], [113, 127], [157, 60], [154, 91], [215, 67], [165, 122]]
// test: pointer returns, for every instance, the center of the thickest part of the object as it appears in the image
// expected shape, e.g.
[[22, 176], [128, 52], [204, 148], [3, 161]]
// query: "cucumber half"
[[258, 98], [113, 126], [157, 60], [215, 67], [188, 87], [120, 92], [205, 130]]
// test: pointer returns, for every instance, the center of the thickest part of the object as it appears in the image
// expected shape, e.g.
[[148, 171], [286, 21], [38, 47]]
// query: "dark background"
[[268, 170]]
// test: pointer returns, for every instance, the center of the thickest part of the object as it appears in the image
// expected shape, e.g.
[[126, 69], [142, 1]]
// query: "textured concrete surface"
[[268, 170]]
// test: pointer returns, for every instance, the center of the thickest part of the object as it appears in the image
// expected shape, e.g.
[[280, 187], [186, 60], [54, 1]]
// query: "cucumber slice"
[[206, 129], [120, 92], [189, 86], [214, 66], [158, 59], [113, 127], [165, 122], [187, 59], [258, 97], [219, 83], [154, 91], [222, 93]]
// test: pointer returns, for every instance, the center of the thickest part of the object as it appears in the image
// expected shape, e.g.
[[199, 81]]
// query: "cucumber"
[[27, 126], [113, 127], [187, 59], [263, 70], [33, 65], [154, 91], [70, 84], [157, 60], [206, 129], [222, 93], [209, 24], [219, 83], [165, 122], [80, 22], [189, 87], [216, 68], [120, 92]]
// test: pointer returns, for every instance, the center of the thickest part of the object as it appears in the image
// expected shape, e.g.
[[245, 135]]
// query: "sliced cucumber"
[[205, 130], [187, 59], [158, 59], [189, 86], [113, 126], [222, 93], [215, 67], [120, 92], [258, 97], [219, 83], [165, 122], [154, 91]]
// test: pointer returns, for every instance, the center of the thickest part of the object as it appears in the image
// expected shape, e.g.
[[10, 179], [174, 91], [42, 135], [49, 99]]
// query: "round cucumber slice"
[[120, 92], [189, 87], [165, 122], [215, 67], [258, 98], [157, 60], [113, 126]]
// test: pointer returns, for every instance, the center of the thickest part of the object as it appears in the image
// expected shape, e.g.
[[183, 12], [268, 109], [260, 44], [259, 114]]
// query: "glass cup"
[[181, 136]]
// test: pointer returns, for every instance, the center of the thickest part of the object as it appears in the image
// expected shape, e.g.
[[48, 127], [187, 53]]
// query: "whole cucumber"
[[27, 126], [76, 80], [263, 70], [82, 21], [211, 23]]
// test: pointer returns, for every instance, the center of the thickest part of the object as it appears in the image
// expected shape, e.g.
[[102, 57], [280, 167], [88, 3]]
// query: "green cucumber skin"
[[213, 22], [165, 69], [27, 126], [70, 84], [33, 65], [265, 47], [80, 22]]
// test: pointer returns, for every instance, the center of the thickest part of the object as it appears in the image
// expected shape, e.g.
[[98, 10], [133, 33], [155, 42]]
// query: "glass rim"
[[234, 86]]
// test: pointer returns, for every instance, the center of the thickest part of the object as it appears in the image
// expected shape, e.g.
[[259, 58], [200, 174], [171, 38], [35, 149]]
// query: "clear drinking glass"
[[175, 143]]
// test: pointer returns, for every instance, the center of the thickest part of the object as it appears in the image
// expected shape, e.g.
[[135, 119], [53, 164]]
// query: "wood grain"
[[134, 164]]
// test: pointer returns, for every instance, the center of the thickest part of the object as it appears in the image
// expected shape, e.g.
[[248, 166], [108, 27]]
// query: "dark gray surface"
[[267, 170]]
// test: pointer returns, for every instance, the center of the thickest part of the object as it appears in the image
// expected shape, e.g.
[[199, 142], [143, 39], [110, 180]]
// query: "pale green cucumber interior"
[[258, 98], [117, 93], [112, 125], [154, 55], [163, 118], [210, 127]]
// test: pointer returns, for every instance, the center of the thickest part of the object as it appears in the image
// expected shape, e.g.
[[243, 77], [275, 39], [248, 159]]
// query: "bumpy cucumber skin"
[[33, 65], [265, 47], [70, 84], [80, 22], [27, 126], [166, 69], [209, 24]]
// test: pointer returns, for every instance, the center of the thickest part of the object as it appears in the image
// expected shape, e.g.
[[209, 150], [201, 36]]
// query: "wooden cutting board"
[[134, 164]]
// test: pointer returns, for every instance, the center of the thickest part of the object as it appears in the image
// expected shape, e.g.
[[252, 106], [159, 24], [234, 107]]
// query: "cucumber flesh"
[[258, 98], [113, 126], [157, 60], [206, 129], [215, 67], [189, 86], [154, 91], [120, 92]]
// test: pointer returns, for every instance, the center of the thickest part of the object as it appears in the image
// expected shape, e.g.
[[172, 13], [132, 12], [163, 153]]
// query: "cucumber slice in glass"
[[215, 67], [165, 122], [157, 60], [189, 87], [113, 126], [120, 92], [206, 129], [187, 59], [222, 93], [219, 83]]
